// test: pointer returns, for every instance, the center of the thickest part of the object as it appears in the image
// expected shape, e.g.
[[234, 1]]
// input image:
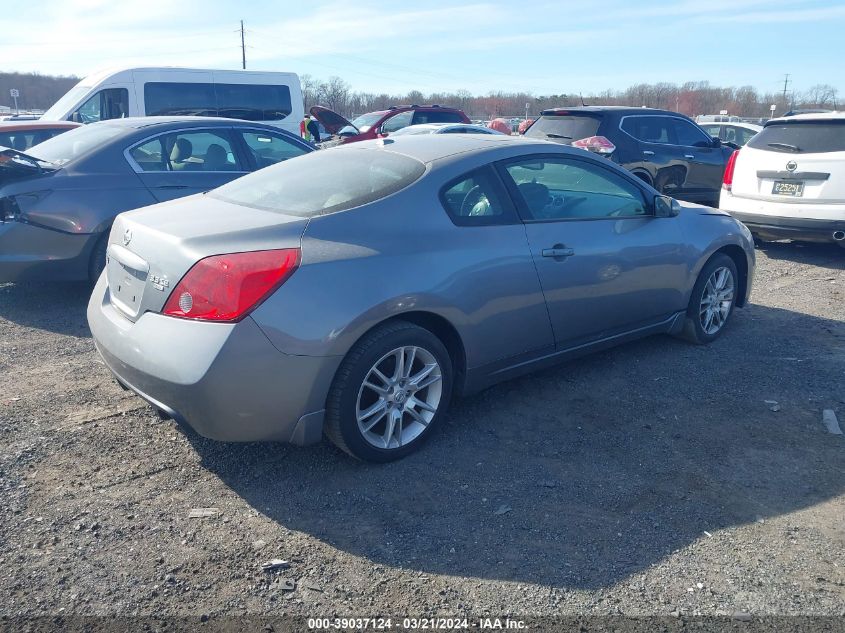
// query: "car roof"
[[139, 122], [615, 109], [429, 148], [747, 126], [815, 116], [23, 126]]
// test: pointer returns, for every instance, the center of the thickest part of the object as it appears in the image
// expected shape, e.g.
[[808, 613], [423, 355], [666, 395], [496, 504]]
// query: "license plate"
[[794, 188], [126, 286]]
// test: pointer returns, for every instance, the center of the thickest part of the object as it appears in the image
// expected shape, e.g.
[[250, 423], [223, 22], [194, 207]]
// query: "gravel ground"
[[655, 478]]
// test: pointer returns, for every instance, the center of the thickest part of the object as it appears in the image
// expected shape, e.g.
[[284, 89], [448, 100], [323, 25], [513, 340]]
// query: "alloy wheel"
[[716, 300], [399, 397]]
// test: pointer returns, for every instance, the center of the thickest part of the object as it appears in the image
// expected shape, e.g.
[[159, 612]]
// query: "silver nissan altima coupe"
[[355, 291]]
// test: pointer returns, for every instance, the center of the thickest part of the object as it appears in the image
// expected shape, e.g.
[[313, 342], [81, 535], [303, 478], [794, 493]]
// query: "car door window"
[[651, 129], [436, 116], [270, 149], [201, 151], [477, 198], [111, 103], [689, 135], [716, 131], [397, 122], [745, 135], [562, 189]]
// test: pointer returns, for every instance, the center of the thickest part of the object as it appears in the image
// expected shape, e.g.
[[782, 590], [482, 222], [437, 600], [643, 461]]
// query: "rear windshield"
[[323, 182], [804, 137], [565, 127], [75, 143]]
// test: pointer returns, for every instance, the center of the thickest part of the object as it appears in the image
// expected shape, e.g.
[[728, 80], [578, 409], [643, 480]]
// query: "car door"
[[606, 264], [658, 153], [184, 162], [706, 163]]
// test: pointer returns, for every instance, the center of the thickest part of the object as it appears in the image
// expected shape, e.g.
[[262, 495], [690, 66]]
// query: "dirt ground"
[[655, 478]]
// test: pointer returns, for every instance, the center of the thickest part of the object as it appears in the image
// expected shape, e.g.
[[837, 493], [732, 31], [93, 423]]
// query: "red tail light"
[[597, 144], [728, 178], [228, 287]]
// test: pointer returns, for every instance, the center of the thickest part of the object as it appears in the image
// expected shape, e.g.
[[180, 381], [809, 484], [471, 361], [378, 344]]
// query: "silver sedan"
[[354, 292]]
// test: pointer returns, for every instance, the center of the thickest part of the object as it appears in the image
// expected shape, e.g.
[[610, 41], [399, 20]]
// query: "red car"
[[21, 135], [380, 124]]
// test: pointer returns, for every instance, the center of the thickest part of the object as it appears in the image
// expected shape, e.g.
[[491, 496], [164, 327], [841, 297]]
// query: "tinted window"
[[560, 189], [476, 199], [397, 122], [651, 129], [186, 151], [688, 134], [715, 130], [435, 116], [569, 128], [169, 99], [323, 182], [253, 102], [112, 103], [22, 141], [75, 143], [270, 149], [804, 137]]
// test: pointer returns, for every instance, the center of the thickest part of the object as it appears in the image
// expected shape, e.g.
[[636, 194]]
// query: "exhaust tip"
[[839, 236]]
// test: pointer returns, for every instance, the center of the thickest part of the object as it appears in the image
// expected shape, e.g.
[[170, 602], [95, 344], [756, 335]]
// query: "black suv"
[[666, 149]]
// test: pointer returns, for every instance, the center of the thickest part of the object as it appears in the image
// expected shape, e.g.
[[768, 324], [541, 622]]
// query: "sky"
[[541, 47]]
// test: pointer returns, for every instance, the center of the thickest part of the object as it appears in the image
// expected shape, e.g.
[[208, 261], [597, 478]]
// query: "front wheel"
[[712, 301], [389, 393]]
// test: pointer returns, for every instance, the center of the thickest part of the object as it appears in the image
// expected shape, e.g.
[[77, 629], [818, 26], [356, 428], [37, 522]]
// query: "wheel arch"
[[737, 254]]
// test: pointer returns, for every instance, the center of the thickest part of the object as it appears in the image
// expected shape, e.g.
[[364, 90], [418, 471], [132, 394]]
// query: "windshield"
[[366, 121], [60, 110], [802, 137], [75, 143], [323, 182], [566, 127]]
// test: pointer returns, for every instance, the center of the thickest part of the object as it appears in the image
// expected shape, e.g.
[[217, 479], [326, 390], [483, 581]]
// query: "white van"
[[269, 97]]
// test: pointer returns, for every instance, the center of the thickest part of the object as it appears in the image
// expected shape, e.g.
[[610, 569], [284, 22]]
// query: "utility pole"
[[785, 85], [243, 50]]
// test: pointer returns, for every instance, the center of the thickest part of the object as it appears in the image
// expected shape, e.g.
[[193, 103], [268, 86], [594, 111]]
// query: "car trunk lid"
[[151, 249]]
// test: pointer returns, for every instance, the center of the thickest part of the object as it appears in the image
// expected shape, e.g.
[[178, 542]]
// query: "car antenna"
[[582, 99]]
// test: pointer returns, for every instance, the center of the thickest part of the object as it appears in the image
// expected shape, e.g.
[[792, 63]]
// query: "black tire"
[[341, 425], [694, 330], [97, 262]]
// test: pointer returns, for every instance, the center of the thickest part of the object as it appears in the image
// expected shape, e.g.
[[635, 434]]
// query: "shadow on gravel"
[[825, 255], [55, 307], [582, 475]]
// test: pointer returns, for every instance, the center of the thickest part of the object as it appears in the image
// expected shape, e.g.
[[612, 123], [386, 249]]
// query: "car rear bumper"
[[224, 380], [32, 253], [798, 221]]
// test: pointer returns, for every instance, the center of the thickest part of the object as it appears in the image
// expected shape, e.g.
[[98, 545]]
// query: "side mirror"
[[666, 207], [347, 131], [717, 142]]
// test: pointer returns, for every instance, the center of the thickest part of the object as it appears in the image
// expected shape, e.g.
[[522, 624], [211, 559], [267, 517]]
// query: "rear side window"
[[176, 99], [651, 129], [434, 116], [253, 102], [186, 151], [323, 182], [234, 101], [568, 128], [804, 137]]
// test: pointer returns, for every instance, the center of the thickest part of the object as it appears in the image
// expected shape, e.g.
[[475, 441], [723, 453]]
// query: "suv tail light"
[[728, 178], [228, 287], [597, 144]]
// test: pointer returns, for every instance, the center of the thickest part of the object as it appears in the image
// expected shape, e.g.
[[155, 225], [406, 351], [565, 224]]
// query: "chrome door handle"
[[558, 251], [648, 152], [689, 156]]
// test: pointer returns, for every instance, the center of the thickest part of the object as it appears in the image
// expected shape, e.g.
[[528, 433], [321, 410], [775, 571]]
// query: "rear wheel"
[[97, 263], [712, 301], [389, 393]]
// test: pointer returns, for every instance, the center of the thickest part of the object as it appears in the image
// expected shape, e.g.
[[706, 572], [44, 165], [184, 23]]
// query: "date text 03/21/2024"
[[415, 624]]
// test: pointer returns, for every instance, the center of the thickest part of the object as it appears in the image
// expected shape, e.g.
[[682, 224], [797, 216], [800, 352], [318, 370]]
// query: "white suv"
[[789, 180]]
